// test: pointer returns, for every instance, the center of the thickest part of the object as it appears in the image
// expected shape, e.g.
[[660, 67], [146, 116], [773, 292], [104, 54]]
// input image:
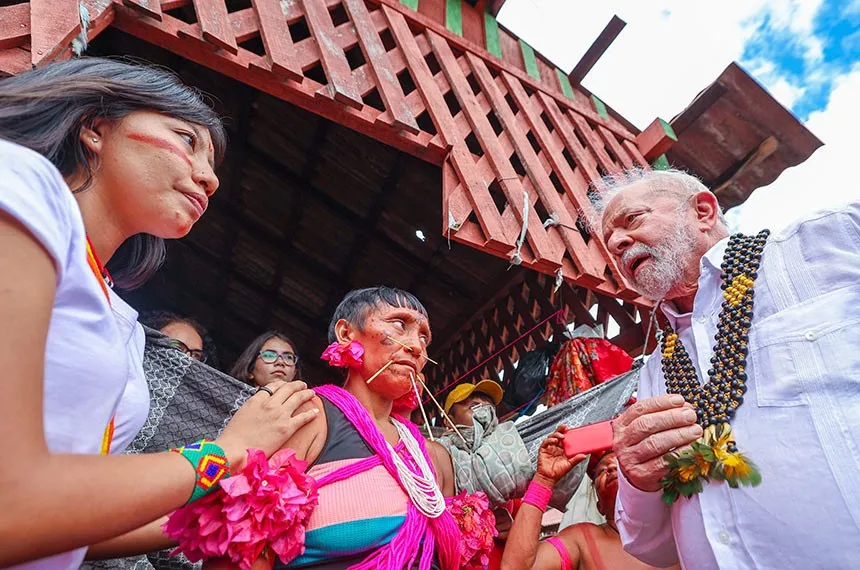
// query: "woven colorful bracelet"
[[210, 466]]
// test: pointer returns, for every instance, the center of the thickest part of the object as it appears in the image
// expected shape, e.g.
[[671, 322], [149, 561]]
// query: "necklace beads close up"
[[717, 400]]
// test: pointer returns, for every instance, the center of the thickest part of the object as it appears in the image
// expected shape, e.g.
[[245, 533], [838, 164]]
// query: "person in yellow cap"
[[462, 400]]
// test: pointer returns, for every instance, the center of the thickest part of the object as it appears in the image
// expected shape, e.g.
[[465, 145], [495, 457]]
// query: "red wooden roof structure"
[[441, 84]]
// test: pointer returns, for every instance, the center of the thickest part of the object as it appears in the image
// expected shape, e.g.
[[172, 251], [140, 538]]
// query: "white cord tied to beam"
[[559, 279], [516, 258], [79, 44]]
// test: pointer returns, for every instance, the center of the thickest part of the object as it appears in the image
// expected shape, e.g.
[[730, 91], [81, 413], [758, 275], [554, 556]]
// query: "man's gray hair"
[[669, 181]]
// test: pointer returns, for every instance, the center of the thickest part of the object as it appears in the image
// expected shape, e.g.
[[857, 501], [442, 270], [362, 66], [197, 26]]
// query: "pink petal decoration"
[[267, 504], [478, 527], [344, 355]]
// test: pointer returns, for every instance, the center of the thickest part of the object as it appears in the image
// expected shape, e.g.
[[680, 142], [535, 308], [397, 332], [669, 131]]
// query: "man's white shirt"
[[800, 420]]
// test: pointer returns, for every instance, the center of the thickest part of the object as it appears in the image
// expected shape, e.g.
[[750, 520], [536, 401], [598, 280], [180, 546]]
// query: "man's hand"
[[648, 430], [552, 463]]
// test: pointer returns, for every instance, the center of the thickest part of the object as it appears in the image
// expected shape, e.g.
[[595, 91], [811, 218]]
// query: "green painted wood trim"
[[599, 107], [454, 16], [410, 4], [491, 33], [667, 128], [530, 60], [564, 81], [661, 163]]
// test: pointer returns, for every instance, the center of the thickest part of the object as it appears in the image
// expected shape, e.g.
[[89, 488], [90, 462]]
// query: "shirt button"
[[810, 336], [724, 537]]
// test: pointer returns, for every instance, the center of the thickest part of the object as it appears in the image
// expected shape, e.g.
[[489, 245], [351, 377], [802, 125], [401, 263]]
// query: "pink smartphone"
[[588, 439]]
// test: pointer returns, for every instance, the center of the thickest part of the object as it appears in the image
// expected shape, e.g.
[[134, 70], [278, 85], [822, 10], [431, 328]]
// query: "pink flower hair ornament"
[[477, 525], [267, 505], [349, 355]]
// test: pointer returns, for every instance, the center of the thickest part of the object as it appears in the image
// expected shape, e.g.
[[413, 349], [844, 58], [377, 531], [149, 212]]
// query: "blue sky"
[[806, 53]]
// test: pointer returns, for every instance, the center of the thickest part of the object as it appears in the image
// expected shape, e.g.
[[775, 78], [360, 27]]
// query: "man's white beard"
[[666, 267]]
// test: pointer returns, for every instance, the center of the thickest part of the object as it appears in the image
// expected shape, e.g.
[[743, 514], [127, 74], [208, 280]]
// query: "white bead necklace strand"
[[422, 489]]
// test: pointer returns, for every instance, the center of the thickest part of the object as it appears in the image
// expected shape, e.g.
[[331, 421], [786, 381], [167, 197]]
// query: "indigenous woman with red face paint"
[[99, 162], [380, 488]]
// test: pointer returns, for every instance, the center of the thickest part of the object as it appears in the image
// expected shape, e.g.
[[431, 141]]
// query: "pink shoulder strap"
[[566, 562]]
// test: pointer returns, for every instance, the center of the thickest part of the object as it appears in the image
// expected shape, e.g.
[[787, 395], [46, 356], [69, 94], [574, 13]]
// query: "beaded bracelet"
[[210, 466], [538, 495]]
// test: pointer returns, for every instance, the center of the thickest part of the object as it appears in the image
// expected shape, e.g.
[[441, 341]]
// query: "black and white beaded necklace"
[[715, 455]]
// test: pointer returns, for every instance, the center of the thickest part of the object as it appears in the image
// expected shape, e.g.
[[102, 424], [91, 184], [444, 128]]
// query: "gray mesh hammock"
[[190, 400]]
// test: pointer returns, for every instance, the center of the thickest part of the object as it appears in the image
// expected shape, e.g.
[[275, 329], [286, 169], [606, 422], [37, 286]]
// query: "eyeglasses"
[[194, 353], [271, 356]]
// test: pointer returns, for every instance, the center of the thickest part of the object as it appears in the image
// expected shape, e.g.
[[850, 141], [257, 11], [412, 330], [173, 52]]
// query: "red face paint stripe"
[[161, 143]]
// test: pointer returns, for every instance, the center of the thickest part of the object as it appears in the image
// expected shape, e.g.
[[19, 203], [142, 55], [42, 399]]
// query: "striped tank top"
[[355, 515]]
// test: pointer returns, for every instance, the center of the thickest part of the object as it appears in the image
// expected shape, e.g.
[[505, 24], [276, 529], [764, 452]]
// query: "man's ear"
[[707, 209], [343, 331]]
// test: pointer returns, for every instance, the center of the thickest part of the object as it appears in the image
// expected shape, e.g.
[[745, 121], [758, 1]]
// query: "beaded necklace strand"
[[715, 454]]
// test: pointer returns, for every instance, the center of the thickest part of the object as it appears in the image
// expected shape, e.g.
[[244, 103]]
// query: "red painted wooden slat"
[[616, 148], [543, 248], [14, 25], [582, 158], [275, 33], [591, 268], [53, 24], [167, 34], [474, 190], [576, 196], [151, 8], [594, 143], [341, 85], [633, 149], [215, 24], [377, 59], [14, 61]]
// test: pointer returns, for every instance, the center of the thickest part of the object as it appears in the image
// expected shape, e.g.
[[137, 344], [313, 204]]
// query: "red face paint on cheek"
[[163, 144]]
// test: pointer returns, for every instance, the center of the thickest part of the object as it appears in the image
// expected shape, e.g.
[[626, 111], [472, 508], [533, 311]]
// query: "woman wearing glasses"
[[271, 357], [186, 335]]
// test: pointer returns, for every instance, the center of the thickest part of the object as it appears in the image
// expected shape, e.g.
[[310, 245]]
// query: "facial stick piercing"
[[378, 372], [421, 406], [441, 409], [410, 349]]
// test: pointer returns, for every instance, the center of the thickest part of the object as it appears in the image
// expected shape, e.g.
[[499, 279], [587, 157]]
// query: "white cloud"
[[820, 181], [668, 52]]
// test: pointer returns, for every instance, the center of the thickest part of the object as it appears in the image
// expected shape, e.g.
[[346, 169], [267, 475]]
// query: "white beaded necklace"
[[422, 489]]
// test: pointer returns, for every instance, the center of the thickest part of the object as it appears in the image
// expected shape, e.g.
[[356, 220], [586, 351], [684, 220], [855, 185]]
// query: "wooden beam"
[[377, 59], [53, 24], [700, 104], [341, 85], [656, 139], [766, 148], [275, 33], [596, 50], [495, 6], [151, 8], [14, 25], [215, 24]]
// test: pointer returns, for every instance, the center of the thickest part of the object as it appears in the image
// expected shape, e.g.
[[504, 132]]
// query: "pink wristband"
[[538, 496]]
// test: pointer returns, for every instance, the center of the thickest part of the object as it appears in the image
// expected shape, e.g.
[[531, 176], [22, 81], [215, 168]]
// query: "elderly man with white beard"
[[743, 450]]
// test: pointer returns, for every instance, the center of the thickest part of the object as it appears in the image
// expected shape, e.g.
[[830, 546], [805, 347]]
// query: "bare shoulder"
[[443, 466], [309, 440]]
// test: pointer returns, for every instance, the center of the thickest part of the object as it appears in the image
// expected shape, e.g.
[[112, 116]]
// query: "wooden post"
[[656, 139]]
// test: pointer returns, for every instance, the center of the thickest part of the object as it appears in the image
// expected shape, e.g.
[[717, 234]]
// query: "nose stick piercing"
[[411, 349]]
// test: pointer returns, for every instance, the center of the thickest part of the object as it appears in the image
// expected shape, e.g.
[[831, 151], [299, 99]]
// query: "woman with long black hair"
[[100, 161]]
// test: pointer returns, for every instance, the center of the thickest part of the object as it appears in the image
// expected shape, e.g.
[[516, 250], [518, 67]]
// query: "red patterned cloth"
[[583, 363]]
